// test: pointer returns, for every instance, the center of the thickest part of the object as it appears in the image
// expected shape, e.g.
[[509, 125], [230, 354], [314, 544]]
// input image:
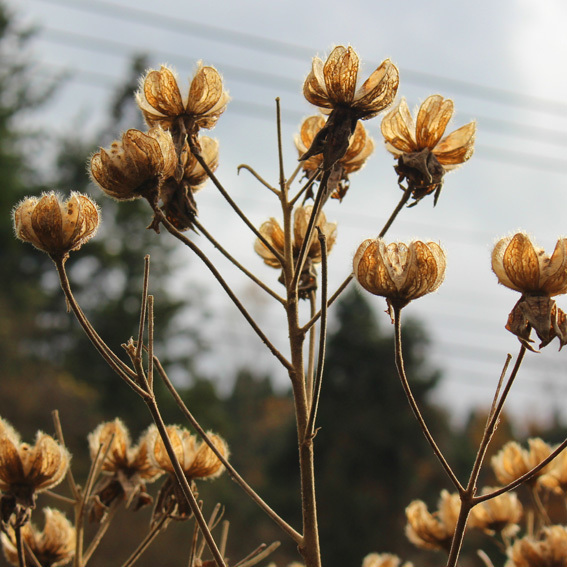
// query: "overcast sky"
[[503, 63]]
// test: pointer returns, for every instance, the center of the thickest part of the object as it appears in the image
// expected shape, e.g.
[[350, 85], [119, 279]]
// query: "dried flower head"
[[196, 458], [126, 468], [273, 233], [56, 226], [524, 267], [332, 86], [359, 149], [383, 560], [549, 549], [26, 470], [399, 272], [163, 102], [513, 461], [555, 477], [433, 531], [136, 166], [424, 156], [500, 514], [52, 547]]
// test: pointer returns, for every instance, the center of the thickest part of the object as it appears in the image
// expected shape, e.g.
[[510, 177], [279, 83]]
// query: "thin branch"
[[143, 306], [146, 542], [101, 532], [258, 177], [311, 351], [230, 469], [197, 153], [20, 546], [350, 277], [234, 261], [280, 146], [291, 178], [310, 430], [258, 555], [111, 359], [151, 322], [183, 483], [320, 200], [413, 403], [70, 478], [307, 185], [181, 237]]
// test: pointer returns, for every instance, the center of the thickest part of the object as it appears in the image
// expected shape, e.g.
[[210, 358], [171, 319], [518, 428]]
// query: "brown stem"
[[183, 483], [258, 177], [20, 546], [459, 534], [111, 359], [233, 260], [413, 403], [146, 542], [195, 151], [182, 238], [75, 491], [310, 432], [230, 469]]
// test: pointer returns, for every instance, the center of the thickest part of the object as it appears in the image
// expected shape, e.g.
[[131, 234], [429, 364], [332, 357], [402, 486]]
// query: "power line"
[[290, 50]]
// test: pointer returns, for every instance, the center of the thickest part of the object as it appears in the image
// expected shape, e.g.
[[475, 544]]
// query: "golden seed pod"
[[433, 531], [53, 546], [122, 454], [135, 166], [193, 173], [273, 233], [513, 461], [27, 469], [403, 136], [524, 267], [333, 83], [500, 514], [56, 226], [163, 102], [549, 548], [383, 560], [398, 271], [196, 459]]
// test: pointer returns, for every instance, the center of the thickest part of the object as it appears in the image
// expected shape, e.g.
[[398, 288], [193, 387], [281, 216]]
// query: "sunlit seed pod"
[[513, 461], [26, 470], [163, 102], [524, 267], [56, 226], [424, 155], [136, 165], [499, 514], [398, 271], [428, 530], [548, 547], [53, 546], [334, 83], [193, 173], [384, 560]]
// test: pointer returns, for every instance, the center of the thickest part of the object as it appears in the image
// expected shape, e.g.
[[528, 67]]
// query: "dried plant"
[[166, 166]]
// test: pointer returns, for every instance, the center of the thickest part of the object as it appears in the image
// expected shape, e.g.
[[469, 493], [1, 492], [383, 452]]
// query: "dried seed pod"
[[26, 470], [399, 272], [433, 531], [524, 267], [500, 514], [359, 149], [333, 83], [127, 468], [164, 103], [136, 166], [56, 226], [548, 548], [53, 546], [513, 461], [383, 560], [332, 86], [424, 156]]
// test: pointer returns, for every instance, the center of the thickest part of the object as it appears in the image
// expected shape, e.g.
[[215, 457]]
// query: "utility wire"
[[294, 51]]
